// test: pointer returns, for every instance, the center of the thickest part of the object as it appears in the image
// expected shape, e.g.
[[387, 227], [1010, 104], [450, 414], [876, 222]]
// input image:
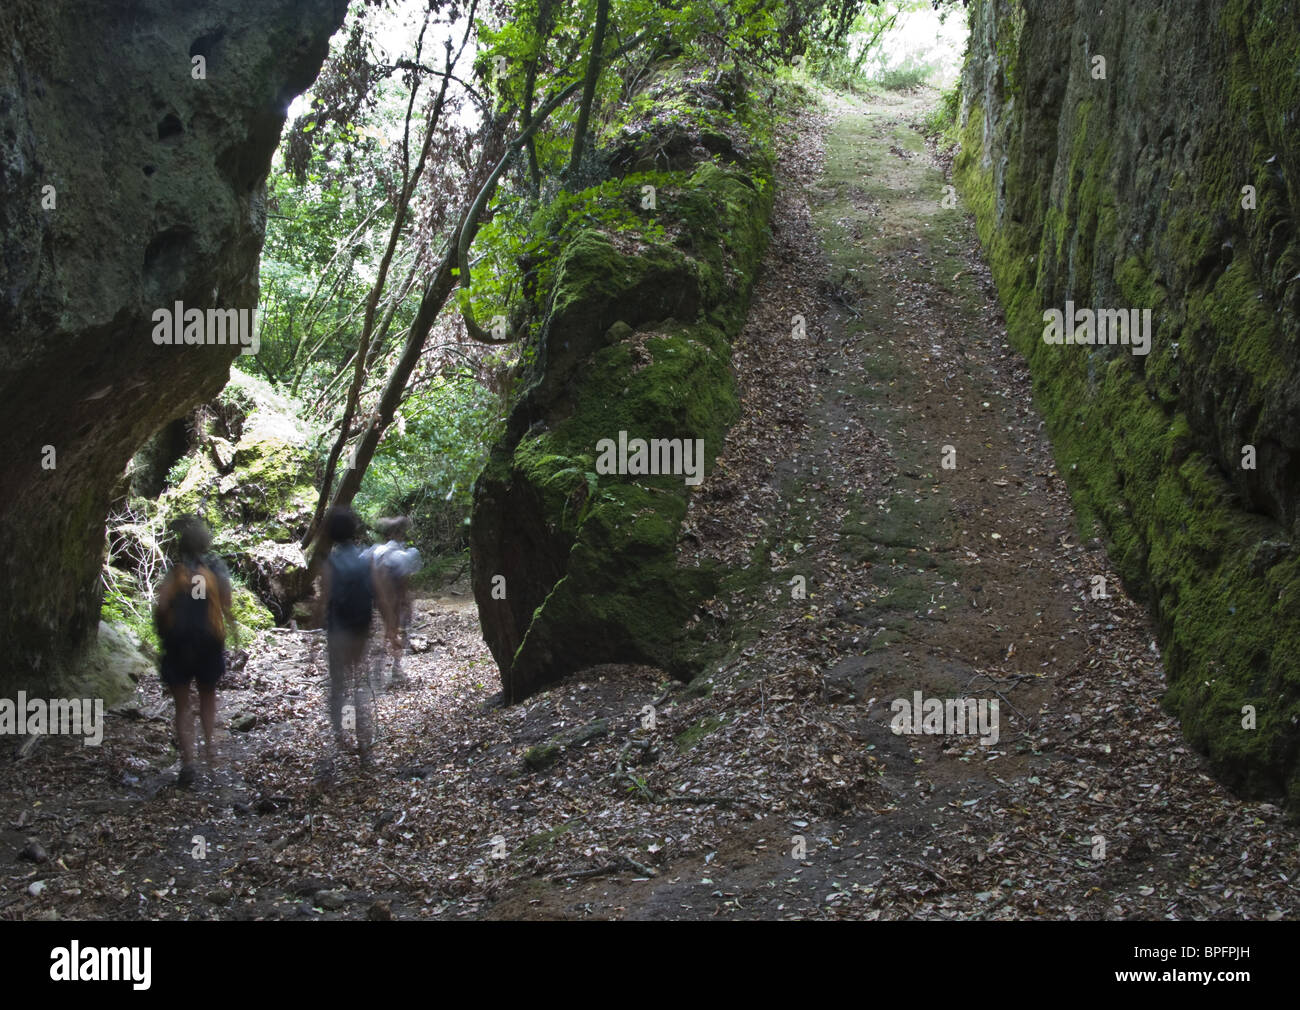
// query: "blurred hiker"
[[347, 603], [192, 616], [394, 564]]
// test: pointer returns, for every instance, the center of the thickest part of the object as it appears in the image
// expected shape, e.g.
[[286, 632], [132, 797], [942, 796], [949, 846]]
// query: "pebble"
[[34, 852], [329, 900]]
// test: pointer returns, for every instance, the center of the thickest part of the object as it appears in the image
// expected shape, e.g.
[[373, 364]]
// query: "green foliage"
[[941, 121], [179, 469], [332, 197], [126, 604], [523, 239], [912, 74], [333, 208], [425, 467], [839, 59]]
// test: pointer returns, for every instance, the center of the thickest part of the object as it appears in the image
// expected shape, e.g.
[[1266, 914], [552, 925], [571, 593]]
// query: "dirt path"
[[961, 582], [773, 787]]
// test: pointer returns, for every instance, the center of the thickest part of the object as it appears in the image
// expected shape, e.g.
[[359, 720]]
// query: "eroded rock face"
[[278, 574], [157, 197], [1128, 191], [573, 566]]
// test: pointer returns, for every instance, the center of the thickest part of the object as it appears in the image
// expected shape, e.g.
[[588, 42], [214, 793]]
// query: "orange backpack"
[[189, 601]]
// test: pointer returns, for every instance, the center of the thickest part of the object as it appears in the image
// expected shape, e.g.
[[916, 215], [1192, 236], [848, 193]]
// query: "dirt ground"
[[773, 787]]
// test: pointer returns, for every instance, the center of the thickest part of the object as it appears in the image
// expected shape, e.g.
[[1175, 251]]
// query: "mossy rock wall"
[[126, 184], [570, 567], [1127, 192]]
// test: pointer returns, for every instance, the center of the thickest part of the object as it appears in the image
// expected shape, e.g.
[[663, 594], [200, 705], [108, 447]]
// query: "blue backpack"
[[352, 594]]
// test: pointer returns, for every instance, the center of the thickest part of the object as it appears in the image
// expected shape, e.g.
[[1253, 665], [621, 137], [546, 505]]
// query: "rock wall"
[[1126, 191], [157, 197], [574, 567]]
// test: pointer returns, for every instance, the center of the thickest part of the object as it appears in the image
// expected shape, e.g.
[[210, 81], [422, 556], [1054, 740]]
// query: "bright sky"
[[394, 30], [919, 36]]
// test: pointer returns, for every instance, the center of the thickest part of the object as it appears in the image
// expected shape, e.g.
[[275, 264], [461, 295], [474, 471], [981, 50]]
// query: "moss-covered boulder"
[[277, 573], [114, 667], [573, 566], [250, 613], [252, 476], [1170, 184], [258, 484]]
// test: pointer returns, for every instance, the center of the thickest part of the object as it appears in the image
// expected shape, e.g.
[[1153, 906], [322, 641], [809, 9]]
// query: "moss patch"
[[692, 736]]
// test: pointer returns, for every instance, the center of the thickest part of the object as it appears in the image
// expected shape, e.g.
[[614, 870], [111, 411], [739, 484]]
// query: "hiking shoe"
[[186, 778]]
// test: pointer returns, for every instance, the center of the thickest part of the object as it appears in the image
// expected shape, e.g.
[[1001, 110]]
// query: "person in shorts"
[[394, 564], [192, 616]]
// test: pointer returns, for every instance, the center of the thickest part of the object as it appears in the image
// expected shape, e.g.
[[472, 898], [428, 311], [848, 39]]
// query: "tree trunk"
[[589, 87]]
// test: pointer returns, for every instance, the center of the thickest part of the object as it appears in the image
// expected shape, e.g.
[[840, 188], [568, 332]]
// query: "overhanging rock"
[[128, 182]]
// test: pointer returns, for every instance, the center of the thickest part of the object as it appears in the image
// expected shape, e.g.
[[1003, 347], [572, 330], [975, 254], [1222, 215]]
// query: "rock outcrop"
[[638, 301], [136, 137], [1146, 155]]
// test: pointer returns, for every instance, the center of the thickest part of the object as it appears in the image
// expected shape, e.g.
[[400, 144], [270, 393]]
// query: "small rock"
[[311, 885], [34, 852], [380, 911], [243, 722], [223, 455], [598, 727], [419, 643], [543, 755], [35, 888], [330, 900], [219, 897], [47, 915]]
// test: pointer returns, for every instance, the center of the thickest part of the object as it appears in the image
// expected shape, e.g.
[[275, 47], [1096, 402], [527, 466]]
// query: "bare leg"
[[400, 637], [362, 693], [184, 729], [336, 643], [208, 717]]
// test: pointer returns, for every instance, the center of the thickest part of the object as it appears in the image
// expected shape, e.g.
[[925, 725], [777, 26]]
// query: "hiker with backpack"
[[394, 564], [192, 616], [346, 604]]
